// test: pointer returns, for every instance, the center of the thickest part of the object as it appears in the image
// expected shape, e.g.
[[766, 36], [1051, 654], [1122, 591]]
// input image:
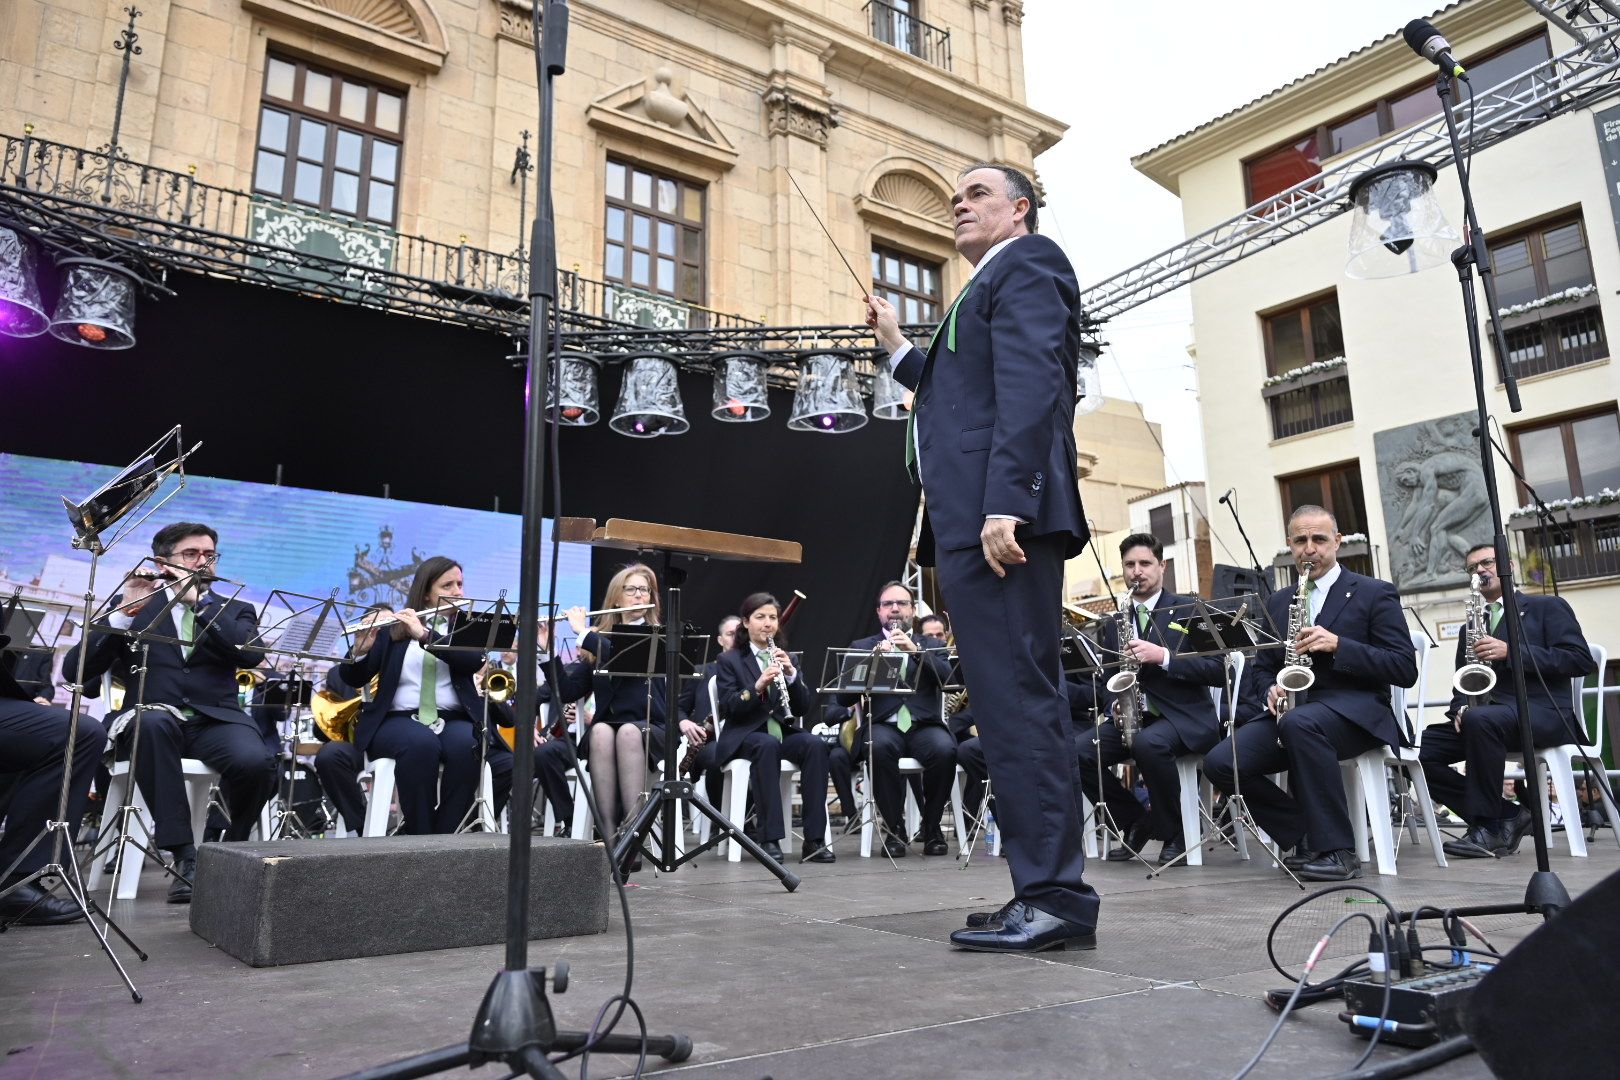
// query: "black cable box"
[[1423, 1009]]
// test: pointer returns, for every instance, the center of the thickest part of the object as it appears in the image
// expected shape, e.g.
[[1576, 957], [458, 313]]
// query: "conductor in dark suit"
[[1484, 729], [907, 725], [757, 724], [1359, 647], [33, 743], [1177, 716], [197, 684], [992, 441]]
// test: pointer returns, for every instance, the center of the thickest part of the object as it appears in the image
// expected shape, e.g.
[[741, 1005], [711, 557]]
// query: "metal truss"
[[1574, 80]]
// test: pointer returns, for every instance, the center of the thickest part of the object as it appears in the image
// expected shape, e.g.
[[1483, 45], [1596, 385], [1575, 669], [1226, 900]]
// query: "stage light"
[[889, 398], [1090, 393], [22, 314], [96, 306], [579, 401], [650, 398], [829, 396], [1396, 225], [740, 394]]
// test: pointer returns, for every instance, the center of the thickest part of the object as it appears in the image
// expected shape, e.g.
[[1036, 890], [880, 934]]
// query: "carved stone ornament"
[[790, 114], [517, 21], [1012, 12], [662, 105]]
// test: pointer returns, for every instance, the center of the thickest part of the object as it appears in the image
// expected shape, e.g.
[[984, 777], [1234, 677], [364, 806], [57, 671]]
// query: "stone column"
[[799, 120]]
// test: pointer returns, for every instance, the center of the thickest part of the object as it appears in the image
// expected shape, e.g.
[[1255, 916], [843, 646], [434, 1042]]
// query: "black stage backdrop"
[[348, 399]]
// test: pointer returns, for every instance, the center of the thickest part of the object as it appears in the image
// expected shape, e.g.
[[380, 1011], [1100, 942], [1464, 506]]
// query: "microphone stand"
[[1254, 561]]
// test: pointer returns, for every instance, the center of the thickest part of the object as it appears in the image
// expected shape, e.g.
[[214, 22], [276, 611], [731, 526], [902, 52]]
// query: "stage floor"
[[849, 976]]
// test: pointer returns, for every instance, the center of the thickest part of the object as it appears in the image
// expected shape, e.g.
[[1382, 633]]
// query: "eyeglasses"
[[894, 603], [1483, 564], [208, 556], [638, 590]]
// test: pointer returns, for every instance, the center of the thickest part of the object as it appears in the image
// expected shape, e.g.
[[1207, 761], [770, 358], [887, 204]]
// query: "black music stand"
[[865, 672], [291, 693]]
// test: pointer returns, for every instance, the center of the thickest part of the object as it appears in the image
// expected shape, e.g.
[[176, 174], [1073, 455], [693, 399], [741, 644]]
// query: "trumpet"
[[248, 678], [1473, 679]]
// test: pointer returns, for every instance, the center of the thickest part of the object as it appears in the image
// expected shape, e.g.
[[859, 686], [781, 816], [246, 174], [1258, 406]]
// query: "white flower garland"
[[1603, 498], [1300, 372], [1568, 296], [1347, 538]]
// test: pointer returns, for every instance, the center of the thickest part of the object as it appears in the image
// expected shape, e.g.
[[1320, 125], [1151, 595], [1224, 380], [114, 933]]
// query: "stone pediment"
[[649, 110], [907, 196], [410, 30]]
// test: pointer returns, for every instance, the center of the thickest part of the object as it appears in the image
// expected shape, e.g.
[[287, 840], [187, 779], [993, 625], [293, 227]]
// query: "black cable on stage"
[[1413, 1063]]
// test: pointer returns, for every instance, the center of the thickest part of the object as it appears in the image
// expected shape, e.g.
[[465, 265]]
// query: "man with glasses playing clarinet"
[[192, 685]]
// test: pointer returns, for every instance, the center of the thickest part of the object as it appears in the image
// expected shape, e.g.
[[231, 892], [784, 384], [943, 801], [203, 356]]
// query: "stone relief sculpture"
[[1434, 500]]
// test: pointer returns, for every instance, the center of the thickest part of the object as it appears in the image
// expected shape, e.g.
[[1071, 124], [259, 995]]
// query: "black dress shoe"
[[935, 844], [1477, 843], [1513, 830], [1136, 838], [895, 848], [30, 905], [1300, 857], [1026, 929], [1341, 865], [816, 851], [977, 919], [1171, 851], [180, 887], [773, 849]]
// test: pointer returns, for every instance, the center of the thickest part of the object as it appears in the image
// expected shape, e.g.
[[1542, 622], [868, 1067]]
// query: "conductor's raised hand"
[[1001, 549], [885, 322]]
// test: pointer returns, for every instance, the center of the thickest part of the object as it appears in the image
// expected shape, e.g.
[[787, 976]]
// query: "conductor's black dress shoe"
[[1026, 929]]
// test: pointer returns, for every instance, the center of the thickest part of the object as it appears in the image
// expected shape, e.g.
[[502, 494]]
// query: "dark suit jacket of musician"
[[1374, 653], [1553, 646], [205, 681], [386, 659], [9, 686], [618, 697], [743, 709], [694, 701], [995, 419], [1181, 693], [932, 673]]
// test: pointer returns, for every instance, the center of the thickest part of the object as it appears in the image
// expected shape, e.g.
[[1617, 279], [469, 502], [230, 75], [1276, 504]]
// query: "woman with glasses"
[[422, 713], [628, 709]]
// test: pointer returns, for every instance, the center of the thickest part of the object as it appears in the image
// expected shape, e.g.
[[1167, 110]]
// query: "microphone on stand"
[[1228, 495], [1428, 43]]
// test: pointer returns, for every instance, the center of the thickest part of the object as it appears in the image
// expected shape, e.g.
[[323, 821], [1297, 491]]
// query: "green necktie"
[[902, 719], [1496, 614], [427, 705], [188, 629], [949, 326], [772, 725], [1141, 628]]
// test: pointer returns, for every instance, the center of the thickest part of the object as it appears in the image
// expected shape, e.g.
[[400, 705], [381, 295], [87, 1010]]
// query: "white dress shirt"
[[408, 694], [1324, 586]]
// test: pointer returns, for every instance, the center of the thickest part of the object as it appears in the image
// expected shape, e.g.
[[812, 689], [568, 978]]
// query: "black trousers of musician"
[[765, 755], [238, 752], [338, 765], [429, 801], [1316, 739], [1154, 749], [33, 744], [935, 750], [1007, 632], [1489, 733], [551, 764], [841, 767], [970, 755], [1260, 755]]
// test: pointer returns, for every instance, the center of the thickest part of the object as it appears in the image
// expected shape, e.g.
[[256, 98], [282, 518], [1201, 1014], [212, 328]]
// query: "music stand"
[[864, 672], [291, 693], [92, 517], [27, 654]]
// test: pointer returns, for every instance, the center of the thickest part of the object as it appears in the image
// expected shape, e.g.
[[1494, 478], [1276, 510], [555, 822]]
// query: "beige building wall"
[[1404, 338], [873, 135], [1119, 460]]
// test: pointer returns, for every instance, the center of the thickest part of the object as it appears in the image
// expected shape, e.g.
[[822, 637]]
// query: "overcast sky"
[[1126, 76]]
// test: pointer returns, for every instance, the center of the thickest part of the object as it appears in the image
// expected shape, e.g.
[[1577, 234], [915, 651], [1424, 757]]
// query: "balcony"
[[1552, 337], [898, 27], [1309, 402], [1580, 545], [1355, 555]]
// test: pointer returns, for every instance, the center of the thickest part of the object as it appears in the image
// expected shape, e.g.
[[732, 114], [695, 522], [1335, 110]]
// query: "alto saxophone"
[[1296, 675], [1473, 679], [1128, 703]]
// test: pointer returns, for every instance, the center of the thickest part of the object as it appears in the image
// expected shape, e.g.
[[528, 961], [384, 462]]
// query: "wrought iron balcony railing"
[[898, 27], [1309, 404], [1555, 338], [1583, 547], [94, 202]]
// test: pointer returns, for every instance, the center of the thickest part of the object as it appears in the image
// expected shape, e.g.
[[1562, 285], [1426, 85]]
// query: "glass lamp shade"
[[22, 313], [96, 306], [579, 401], [1396, 225], [829, 396], [739, 388], [650, 399], [1089, 383], [888, 396]]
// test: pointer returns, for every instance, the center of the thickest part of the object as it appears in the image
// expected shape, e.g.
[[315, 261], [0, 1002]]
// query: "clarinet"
[[781, 683]]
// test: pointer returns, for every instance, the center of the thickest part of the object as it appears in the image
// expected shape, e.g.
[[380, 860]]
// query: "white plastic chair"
[[1557, 764], [734, 790], [381, 800], [1366, 781]]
